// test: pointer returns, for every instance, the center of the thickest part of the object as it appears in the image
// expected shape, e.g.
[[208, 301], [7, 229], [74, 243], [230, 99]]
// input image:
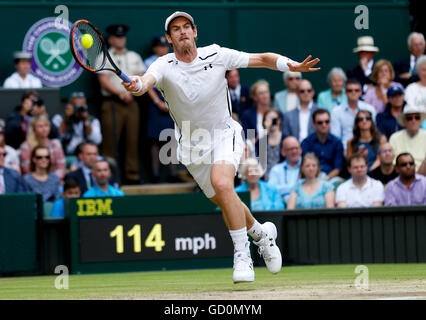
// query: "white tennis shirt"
[[197, 91]]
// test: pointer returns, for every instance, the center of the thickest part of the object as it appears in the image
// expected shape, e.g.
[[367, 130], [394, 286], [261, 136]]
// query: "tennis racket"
[[93, 58]]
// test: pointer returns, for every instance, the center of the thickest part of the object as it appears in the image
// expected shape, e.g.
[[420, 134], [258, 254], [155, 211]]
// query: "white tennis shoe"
[[243, 267], [268, 249]]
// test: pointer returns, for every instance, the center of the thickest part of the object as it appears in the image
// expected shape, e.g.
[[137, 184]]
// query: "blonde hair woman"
[[38, 135], [382, 76], [310, 192]]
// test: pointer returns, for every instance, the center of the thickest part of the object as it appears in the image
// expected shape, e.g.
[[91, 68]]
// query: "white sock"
[[240, 239], [255, 231]]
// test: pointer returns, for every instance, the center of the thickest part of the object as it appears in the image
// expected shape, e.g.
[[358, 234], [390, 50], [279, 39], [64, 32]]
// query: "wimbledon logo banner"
[[52, 60]]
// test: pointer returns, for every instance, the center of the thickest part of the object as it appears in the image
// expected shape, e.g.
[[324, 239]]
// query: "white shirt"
[[292, 101], [260, 129], [354, 197], [415, 95], [304, 121], [12, 157], [16, 82], [197, 92]]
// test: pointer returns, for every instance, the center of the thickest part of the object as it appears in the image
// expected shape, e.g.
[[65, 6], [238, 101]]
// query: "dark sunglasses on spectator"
[[409, 118], [363, 118], [353, 90], [4, 154], [305, 90], [293, 78], [386, 150], [322, 122], [404, 164], [42, 157]]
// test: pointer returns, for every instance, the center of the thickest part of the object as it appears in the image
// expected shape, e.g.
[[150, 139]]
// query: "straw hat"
[[410, 110], [365, 43]]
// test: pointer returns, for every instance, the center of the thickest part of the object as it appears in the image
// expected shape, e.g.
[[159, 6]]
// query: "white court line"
[[404, 298]]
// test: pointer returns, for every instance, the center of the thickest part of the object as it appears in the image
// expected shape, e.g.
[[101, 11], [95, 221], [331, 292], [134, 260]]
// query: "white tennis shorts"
[[229, 148]]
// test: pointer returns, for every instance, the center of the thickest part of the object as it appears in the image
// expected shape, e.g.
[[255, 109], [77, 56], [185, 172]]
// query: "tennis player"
[[192, 81]]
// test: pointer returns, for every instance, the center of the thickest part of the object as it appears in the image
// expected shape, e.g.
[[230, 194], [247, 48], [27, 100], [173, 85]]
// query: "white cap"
[[176, 15]]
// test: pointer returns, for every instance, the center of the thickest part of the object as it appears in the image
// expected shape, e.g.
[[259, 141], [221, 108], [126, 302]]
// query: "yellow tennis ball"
[[87, 40]]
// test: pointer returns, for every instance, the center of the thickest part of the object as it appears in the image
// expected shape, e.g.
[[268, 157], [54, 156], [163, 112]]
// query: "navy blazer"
[[78, 176], [404, 67], [358, 74], [12, 181], [291, 122], [249, 120], [245, 102]]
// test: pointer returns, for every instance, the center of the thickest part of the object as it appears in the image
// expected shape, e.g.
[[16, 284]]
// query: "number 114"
[[154, 239]]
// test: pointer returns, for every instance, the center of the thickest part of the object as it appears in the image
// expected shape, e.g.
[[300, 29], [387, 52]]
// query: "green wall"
[[296, 29]]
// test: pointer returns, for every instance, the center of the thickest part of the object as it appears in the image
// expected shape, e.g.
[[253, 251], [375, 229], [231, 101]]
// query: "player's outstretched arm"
[[140, 84], [277, 62]]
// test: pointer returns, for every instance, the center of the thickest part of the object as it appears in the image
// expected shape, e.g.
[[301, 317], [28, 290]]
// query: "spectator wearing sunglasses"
[[326, 146], [41, 180], [366, 139], [412, 139], [386, 171], [39, 135], [286, 99], [298, 122], [343, 116], [408, 188]]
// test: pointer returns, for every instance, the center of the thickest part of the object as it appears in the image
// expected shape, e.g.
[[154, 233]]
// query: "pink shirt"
[[371, 97]]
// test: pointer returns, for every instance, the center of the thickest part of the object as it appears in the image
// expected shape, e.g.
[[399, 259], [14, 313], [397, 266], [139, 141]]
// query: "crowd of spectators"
[[360, 143]]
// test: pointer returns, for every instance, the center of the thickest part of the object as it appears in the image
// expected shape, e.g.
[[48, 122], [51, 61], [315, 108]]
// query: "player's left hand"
[[305, 66]]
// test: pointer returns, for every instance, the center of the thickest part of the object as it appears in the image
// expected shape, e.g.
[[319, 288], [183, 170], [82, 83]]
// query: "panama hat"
[[410, 109], [365, 43]]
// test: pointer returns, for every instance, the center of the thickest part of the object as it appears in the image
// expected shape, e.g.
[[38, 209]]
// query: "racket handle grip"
[[124, 77]]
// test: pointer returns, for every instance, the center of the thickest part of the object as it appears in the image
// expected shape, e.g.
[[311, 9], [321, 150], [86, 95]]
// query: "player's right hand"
[[131, 86]]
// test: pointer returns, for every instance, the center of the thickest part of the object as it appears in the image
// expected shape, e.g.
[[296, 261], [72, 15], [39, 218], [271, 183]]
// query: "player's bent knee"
[[223, 187]]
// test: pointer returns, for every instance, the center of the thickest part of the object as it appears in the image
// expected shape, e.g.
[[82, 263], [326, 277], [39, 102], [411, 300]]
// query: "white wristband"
[[282, 63], [140, 86]]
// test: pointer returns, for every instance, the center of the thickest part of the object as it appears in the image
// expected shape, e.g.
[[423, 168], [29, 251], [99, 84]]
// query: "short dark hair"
[[357, 156], [319, 111], [402, 155], [70, 184], [353, 81], [29, 93]]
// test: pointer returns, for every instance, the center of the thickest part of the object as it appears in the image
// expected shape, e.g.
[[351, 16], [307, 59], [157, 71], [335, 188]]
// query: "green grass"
[[165, 284]]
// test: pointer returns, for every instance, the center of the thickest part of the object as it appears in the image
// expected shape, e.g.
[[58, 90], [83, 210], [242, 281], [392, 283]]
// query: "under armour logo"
[[210, 65]]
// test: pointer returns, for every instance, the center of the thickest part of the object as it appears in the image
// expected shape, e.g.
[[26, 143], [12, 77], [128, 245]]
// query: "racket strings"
[[94, 56]]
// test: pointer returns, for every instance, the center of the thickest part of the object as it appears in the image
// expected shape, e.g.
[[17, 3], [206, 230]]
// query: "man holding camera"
[[19, 120], [77, 125]]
